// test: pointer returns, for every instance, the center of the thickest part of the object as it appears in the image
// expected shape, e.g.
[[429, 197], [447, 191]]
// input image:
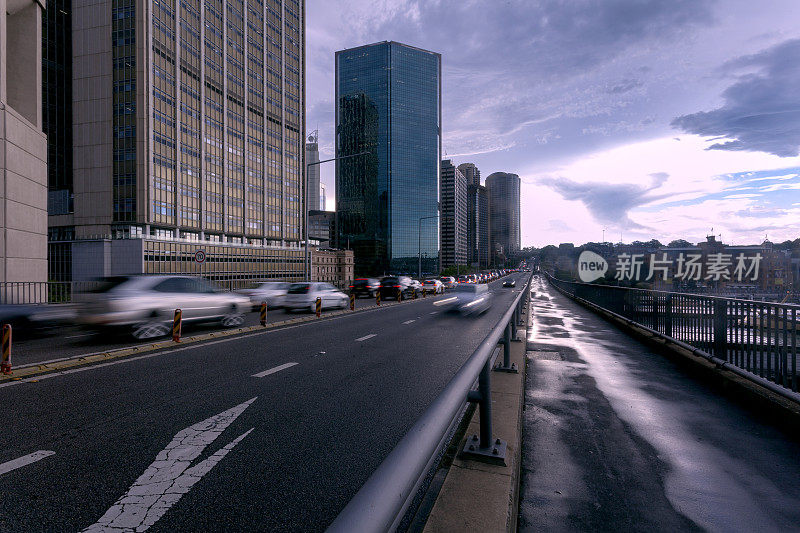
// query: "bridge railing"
[[757, 340], [382, 501]]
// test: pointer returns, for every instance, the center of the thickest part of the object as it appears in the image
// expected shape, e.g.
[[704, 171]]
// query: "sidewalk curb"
[[476, 496]]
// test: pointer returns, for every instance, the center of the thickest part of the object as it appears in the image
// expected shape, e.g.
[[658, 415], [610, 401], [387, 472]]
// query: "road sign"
[[200, 256]]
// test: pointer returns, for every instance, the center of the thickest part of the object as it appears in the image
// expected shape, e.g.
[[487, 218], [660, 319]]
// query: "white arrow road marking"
[[273, 370], [25, 460], [365, 337], [169, 476]]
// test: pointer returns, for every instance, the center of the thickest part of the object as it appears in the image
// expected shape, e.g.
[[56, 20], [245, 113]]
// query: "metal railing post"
[[507, 365], [668, 316], [721, 329]]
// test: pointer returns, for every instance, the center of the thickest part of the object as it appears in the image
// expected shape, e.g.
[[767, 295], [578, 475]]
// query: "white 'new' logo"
[[591, 266]]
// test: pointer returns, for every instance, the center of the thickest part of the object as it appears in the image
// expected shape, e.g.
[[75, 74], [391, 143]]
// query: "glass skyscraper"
[[504, 209], [388, 104]]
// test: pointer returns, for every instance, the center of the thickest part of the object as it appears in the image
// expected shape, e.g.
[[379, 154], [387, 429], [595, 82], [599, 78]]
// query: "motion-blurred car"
[[433, 286], [407, 287], [449, 282], [471, 299], [272, 292], [509, 283], [145, 305], [366, 287], [303, 296], [34, 319]]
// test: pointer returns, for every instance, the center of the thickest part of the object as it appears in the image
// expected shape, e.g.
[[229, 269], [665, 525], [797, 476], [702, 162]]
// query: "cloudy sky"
[[644, 118]]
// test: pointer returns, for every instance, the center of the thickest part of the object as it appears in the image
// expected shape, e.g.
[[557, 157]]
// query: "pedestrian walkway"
[[617, 438]]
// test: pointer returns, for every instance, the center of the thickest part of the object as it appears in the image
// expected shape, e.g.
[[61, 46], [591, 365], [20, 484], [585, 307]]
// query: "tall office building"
[[388, 104], [504, 209], [312, 157], [470, 172], [477, 217], [453, 194], [23, 148], [188, 133]]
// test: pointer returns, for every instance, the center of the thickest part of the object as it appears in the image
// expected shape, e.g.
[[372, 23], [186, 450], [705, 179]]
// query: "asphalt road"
[[228, 434], [617, 438]]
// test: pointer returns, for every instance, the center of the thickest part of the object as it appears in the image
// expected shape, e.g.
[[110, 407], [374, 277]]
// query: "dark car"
[[509, 283], [366, 287], [407, 287], [34, 319]]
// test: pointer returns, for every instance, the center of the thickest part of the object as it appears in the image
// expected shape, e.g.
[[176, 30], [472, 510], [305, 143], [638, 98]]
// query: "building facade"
[[321, 226], [333, 266], [188, 128], [388, 104], [312, 168], [478, 252], [504, 212], [453, 221], [23, 146]]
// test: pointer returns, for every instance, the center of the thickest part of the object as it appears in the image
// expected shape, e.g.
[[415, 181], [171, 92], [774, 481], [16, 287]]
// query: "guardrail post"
[[485, 449], [507, 365], [721, 329], [5, 366]]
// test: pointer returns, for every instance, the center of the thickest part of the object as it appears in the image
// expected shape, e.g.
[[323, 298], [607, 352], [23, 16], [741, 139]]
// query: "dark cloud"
[[607, 202], [761, 112]]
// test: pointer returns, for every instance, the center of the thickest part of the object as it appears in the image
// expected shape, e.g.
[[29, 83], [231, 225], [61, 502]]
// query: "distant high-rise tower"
[[477, 217], [312, 156], [470, 172], [388, 104], [453, 194], [504, 209]]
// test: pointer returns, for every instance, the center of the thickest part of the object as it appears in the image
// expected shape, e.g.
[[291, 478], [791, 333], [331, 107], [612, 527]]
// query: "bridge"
[[334, 422]]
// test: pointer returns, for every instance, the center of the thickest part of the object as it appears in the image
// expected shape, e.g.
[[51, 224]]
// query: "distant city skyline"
[[632, 126]]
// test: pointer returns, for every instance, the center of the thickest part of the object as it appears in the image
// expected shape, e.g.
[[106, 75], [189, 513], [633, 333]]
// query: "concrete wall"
[[23, 146]]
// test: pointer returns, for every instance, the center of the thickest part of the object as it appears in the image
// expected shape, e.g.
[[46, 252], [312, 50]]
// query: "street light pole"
[[419, 242], [305, 205]]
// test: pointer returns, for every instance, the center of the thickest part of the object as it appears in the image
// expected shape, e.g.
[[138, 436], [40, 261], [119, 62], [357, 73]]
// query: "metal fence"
[[42, 292], [383, 500], [758, 340]]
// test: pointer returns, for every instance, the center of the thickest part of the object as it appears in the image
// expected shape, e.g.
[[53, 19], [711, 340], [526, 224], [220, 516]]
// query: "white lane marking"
[[409, 321], [25, 460], [169, 476], [273, 370], [434, 312], [81, 335], [365, 337]]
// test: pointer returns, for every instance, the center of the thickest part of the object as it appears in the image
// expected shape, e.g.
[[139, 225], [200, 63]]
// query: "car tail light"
[[397, 286]]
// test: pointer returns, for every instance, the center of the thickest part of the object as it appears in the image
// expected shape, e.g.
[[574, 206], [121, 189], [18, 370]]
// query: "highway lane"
[[70, 341], [319, 427]]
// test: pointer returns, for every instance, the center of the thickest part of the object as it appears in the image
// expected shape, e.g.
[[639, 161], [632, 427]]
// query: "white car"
[[433, 286], [449, 282], [272, 292], [303, 296], [146, 304], [470, 299]]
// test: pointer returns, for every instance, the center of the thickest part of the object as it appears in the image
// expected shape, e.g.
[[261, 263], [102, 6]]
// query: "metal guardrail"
[[756, 340], [383, 500]]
